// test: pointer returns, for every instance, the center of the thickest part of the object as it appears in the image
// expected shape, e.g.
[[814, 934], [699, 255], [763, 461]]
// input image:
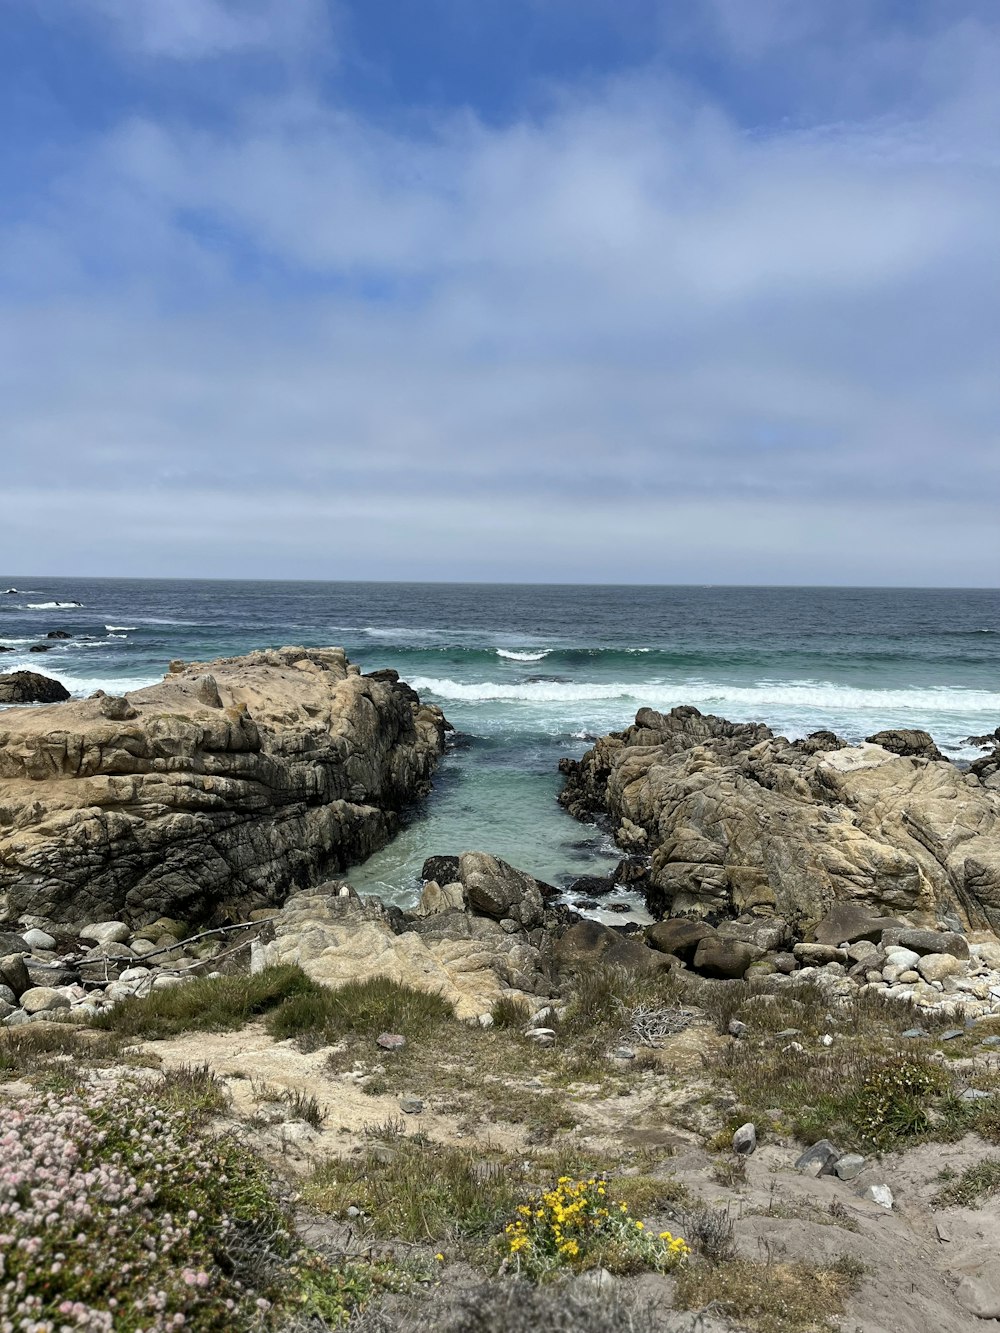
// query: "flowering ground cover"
[[119, 1211]]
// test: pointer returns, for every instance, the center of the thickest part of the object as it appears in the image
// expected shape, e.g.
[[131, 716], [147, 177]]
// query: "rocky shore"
[[735, 819], [209, 795]]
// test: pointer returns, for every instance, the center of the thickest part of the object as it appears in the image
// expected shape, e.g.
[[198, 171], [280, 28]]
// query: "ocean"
[[530, 673]]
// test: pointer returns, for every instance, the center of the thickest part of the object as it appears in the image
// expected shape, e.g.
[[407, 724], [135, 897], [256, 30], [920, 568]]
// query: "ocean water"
[[528, 674]]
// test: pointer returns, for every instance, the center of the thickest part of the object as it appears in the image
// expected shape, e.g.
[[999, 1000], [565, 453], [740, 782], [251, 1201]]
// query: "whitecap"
[[810, 696], [51, 606], [112, 629], [523, 657]]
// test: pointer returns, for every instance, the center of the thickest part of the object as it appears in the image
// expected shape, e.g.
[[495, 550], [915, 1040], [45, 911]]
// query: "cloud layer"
[[631, 332]]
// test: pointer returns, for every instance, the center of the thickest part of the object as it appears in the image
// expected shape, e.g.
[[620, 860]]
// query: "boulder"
[[28, 687], [912, 744], [39, 939], [927, 941], [106, 932], [818, 955], [679, 935], [442, 868], [216, 797], [438, 898], [937, 966], [43, 999], [846, 923], [498, 890], [591, 942], [11, 942], [14, 973], [116, 708], [766, 934], [337, 937], [58, 634], [739, 820], [722, 958]]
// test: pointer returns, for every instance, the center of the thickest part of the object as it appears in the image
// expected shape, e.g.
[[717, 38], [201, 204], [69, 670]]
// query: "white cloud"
[[205, 29], [623, 336]]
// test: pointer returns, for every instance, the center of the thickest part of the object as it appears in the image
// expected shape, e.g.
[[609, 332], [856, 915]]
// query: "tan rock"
[[232, 782], [937, 966], [738, 817], [337, 937]]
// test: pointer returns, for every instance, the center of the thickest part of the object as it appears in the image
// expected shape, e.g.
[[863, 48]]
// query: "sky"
[[688, 291]]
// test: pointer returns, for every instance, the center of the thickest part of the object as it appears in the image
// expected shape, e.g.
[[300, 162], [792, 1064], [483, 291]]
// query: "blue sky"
[[702, 291]]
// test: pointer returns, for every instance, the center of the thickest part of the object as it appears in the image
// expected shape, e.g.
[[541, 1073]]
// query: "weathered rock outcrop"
[[210, 794], [738, 819], [28, 687], [338, 937]]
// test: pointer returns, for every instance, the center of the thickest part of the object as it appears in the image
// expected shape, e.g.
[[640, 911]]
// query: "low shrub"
[[770, 1297], [967, 1188], [120, 1211], [578, 1225]]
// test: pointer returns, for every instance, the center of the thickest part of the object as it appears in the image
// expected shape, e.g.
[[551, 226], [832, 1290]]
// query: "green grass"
[[419, 1192], [208, 1004], [360, 1008]]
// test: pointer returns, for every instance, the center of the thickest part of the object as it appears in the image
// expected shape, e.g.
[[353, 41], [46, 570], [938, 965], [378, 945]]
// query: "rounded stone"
[[42, 999], [106, 932], [38, 939]]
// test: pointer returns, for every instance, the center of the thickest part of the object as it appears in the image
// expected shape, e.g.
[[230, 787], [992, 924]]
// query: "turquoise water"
[[528, 673]]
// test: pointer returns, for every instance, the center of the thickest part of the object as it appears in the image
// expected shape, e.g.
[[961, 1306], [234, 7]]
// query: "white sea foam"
[[113, 629], [523, 657], [51, 606], [812, 696], [83, 686]]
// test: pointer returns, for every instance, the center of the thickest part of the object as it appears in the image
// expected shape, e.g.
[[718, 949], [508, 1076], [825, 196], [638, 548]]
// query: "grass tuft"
[[360, 1008], [770, 1297], [208, 1004]]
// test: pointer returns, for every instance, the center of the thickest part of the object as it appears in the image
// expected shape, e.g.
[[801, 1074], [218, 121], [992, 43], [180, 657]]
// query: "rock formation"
[[737, 819], [211, 794], [28, 687]]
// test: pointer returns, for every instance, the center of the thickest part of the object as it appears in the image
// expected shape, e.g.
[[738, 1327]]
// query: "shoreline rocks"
[[29, 687], [739, 820], [211, 794]]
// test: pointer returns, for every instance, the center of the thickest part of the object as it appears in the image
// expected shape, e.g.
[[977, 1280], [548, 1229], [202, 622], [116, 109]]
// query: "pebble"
[[390, 1041], [913, 1033], [991, 1041], [952, 1033], [737, 1028], [623, 1053], [849, 1166], [880, 1194], [745, 1139], [411, 1105], [788, 1032], [974, 1095], [353, 1211]]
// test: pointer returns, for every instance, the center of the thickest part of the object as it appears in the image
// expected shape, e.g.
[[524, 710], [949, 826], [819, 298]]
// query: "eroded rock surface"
[[337, 937], [738, 819], [211, 794]]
